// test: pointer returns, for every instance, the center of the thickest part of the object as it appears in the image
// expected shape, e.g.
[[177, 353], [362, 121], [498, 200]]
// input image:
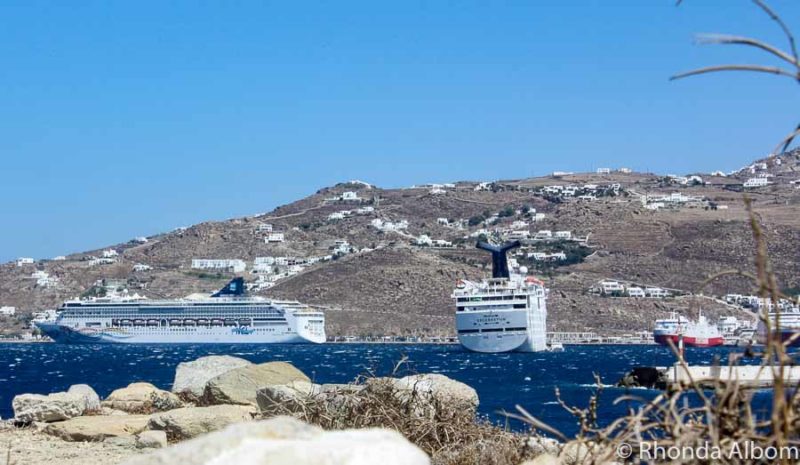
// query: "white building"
[[519, 224], [611, 287], [335, 216], [442, 243], [484, 186], [543, 234], [423, 241], [443, 221], [756, 182], [635, 292], [110, 253], [264, 227], [274, 237], [59, 258], [349, 195], [139, 267], [624, 170], [43, 278], [557, 174], [603, 170], [24, 261], [656, 292], [538, 217], [8, 311], [365, 210], [234, 265], [563, 235], [140, 240], [438, 191], [389, 225], [519, 235], [102, 261]]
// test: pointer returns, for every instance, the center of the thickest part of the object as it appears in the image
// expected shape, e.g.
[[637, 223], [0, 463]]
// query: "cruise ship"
[[228, 316], [785, 325], [502, 314]]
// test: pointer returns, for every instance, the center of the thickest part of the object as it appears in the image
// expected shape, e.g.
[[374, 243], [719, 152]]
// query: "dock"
[[749, 376]]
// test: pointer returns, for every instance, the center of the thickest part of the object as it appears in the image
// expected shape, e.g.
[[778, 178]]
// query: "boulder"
[[191, 377], [544, 459], [439, 388], [283, 440], [189, 422], [543, 445], [285, 398], [58, 406], [90, 398], [151, 440], [239, 386], [142, 398], [97, 428]]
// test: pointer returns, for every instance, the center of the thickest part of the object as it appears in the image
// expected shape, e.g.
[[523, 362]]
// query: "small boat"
[[694, 334]]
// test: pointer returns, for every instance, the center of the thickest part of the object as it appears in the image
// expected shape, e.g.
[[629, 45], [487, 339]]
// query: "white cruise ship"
[[229, 316], [784, 325], [502, 314]]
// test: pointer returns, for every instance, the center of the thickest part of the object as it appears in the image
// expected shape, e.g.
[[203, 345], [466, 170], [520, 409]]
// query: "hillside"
[[381, 282]]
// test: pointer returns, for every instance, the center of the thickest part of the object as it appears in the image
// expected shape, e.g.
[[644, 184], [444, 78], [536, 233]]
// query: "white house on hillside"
[[235, 265]]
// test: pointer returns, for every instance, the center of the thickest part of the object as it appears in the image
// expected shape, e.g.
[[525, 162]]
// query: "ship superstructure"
[[505, 313], [228, 316], [785, 325], [698, 333]]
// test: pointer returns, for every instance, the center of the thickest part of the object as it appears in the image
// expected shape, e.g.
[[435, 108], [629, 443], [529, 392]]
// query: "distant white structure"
[[423, 241], [557, 174], [264, 228], [110, 253], [43, 278], [603, 170], [341, 247], [139, 267], [102, 261], [548, 257], [274, 237], [635, 292], [335, 216], [24, 261], [563, 235], [361, 183], [234, 265], [140, 240], [59, 258], [624, 170], [719, 173], [8, 311], [443, 221], [543, 234], [611, 287], [656, 292], [756, 182], [438, 191], [388, 226], [365, 210], [349, 195], [518, 235], [538, 217], [483, 186]]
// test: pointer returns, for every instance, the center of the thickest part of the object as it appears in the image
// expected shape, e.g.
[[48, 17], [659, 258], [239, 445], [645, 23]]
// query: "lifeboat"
[[138, 322], [124, 322], [216, 322], [244, 322], [461, 284], [532, 280], [230, 322], [175, 323], [202, 321], [152, 322], [189, 322]]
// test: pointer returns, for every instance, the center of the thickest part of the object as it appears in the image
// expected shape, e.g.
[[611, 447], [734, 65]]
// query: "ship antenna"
[[499, 261]]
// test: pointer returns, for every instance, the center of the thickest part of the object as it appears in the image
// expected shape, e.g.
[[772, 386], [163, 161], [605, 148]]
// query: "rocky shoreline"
[[224, 409]]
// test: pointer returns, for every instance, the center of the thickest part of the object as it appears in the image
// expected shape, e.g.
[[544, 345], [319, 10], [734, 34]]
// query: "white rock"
[[97, 428], [190, 422], [441, 388], [191, 377], [284, 440], [142, 398], [151, 439], [52, 407], [90, 397]]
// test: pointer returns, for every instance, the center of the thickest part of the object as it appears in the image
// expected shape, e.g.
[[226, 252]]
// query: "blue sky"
[[120, 119]]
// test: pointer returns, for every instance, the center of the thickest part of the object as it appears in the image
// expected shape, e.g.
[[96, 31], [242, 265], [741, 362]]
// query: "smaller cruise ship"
[[502, 314], [785, 325], [698, 333]]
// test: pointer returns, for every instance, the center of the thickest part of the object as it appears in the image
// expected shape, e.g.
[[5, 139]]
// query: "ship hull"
[[689, 341], [499, 331], [222, 335], [784, 335]]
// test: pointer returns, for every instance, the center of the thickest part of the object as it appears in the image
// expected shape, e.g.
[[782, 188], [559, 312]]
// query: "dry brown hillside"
[[394, 287]]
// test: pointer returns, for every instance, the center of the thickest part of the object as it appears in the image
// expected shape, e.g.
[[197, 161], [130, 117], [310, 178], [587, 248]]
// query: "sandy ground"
[[28, 447]]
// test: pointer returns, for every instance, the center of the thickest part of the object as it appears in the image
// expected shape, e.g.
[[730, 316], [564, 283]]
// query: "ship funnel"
[[499, 261], [234, 288]]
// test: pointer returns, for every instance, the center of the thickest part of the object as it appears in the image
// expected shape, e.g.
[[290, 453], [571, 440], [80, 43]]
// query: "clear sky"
[[120, 119]]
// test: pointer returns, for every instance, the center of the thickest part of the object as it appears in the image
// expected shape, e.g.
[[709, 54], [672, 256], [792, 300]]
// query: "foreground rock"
[[97, 428], [79, 399], [151, 440], [191, 377], [239, 386], [284, 440], [142, 398], [439, 388], [190, 422]]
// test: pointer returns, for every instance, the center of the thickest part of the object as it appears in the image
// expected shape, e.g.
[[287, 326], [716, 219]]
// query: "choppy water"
[[502, 380]]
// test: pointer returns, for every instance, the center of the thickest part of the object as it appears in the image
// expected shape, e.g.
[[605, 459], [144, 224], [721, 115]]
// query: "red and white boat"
[[698, 333]]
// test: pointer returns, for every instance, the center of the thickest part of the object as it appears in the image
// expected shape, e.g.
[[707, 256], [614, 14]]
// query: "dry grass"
[[450, 433]]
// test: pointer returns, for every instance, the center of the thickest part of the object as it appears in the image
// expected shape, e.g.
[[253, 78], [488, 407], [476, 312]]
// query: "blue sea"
[[502, 381]]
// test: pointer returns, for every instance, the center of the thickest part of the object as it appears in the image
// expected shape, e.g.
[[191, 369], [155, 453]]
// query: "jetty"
[[750, 376]]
